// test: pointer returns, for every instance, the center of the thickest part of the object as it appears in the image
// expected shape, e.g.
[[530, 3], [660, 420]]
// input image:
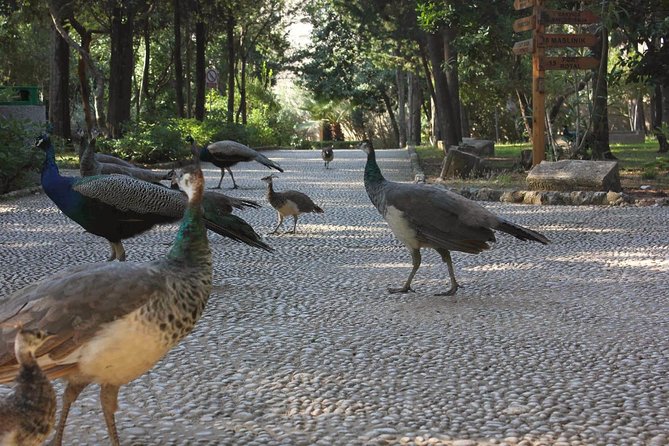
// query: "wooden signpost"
[[541, 63]]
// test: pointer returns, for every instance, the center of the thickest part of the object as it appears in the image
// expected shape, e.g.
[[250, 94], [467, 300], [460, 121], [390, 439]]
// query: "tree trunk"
[[451, 69], [242, 92], [178, 63], [84, 85], [656, 111], [664, 118], [143, 95], [121, 67], [200, 69], [59, 91], [415, 101], [391, 114], [524, 106], [600, 119], [400, 80], [443, 100], [230, 33]]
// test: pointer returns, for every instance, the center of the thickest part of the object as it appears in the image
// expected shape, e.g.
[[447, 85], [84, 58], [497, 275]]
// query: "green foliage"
[[17, 154], [148, 142]]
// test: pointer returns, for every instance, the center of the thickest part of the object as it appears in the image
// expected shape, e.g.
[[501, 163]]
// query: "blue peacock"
[[119, 207]]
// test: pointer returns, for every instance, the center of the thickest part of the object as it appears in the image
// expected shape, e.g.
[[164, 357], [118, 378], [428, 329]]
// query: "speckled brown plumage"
[[27, 415], [289, 202]]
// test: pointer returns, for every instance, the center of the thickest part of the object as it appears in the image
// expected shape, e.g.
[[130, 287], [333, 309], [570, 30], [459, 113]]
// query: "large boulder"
[[575, 175], [460, 164], [478, 147]]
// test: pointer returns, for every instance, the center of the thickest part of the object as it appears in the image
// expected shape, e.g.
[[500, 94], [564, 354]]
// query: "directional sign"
[[566, 40], [522, 4], [568, 63], [524, 24], [523, 47], [553, 16]]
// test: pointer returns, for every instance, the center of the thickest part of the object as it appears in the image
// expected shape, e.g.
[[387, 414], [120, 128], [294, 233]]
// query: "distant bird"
[[289, 202], [90, 163], [423, 216], [29, 413], [118, 207], [327, 153], [112, 322], [225, 154]]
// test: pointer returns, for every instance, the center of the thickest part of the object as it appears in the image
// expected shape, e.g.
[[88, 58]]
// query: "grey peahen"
[[327, 153], [424, 216], [118, 207], [289, 202], [225, 154], [90, 163], [28, 414], [112, 322]]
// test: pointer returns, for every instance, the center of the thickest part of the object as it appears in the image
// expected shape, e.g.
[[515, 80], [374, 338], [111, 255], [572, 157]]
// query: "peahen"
[[90, 163], [118, 207], [423, 216], [225, 154], [327, 153], [112, 322], [289, 202], [28, 414]]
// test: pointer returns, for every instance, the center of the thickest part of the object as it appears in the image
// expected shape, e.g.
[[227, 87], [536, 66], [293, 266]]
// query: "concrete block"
[[575, 175]]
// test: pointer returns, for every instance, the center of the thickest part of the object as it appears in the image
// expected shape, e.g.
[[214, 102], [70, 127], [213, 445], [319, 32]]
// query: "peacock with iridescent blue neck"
[[118, 207]]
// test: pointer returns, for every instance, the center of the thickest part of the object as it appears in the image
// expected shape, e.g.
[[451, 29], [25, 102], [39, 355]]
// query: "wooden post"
[[538, 91]]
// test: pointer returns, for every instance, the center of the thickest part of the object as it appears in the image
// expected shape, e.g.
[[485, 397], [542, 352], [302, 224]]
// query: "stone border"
[[575, 198]]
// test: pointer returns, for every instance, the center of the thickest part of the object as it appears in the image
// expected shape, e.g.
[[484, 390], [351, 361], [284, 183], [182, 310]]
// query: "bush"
[[148, 142], [18, 157]]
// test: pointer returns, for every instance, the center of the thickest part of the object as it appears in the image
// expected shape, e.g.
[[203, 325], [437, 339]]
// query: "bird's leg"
[[112, 256], [294, 224], [278, 225], [446, 257], [109, 402], [70, 395], [119, 251], [415, 258], [221, 180], [234, 184]]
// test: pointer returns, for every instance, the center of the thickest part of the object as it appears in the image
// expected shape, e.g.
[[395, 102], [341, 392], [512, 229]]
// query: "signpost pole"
[[538, 91]]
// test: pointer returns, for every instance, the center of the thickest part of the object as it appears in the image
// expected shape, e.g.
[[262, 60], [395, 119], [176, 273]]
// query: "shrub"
[[18, 157], [148, 142]]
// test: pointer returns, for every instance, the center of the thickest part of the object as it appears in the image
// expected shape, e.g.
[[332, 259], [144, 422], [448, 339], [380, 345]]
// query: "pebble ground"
[[565, 344]]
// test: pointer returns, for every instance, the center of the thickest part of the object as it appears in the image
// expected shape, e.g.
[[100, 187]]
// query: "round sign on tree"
[[211, 78]]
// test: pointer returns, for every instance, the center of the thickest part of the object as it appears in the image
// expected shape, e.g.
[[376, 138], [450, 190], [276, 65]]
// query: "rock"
[[575, 175], [479, 147], [460, 164]]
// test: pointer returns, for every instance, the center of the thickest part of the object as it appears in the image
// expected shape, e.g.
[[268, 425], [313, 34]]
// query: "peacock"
[[28, 414], [118, 207], [423, 216], [90, 163], [327, 153], [225, 154], [289, 202], [112, 322]]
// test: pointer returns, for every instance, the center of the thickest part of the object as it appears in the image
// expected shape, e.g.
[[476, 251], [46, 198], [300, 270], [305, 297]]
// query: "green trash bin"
[[19, 95]]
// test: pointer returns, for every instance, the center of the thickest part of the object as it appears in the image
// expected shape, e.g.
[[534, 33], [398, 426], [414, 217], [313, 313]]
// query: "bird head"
[[366, 146], [43, 141], [191, 180], [28, 340], [268, 178]]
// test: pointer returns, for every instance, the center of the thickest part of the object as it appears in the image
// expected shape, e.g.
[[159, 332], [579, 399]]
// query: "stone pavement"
[[561, 344]]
